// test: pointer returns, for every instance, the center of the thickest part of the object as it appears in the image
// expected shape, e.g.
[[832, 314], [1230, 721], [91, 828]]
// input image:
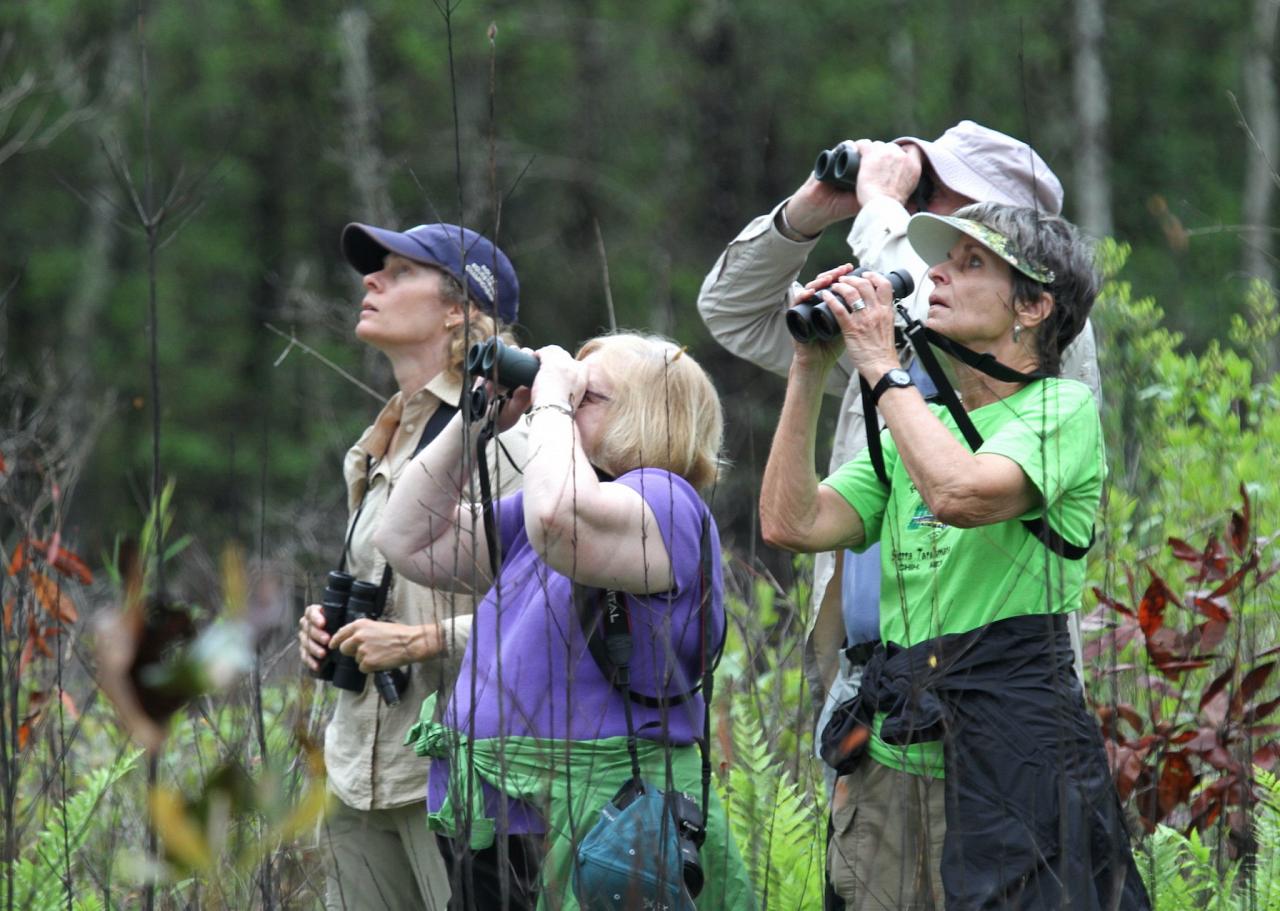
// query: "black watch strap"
[[896, 378]]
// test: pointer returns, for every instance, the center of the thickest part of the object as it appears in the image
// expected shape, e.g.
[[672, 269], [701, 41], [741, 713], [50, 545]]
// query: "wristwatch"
[[897, 378]]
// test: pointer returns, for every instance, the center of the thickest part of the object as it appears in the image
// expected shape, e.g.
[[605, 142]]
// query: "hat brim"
[[365, 247], [933, 236]]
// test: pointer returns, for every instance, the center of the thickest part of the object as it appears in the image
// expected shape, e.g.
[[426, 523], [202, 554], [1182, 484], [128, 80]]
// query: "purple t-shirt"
[[527, 670]]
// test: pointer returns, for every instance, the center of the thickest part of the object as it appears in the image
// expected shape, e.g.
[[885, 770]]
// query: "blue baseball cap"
[[471, 258]]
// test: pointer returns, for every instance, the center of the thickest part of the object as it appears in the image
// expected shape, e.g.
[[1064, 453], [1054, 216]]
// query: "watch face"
[[899, 377]]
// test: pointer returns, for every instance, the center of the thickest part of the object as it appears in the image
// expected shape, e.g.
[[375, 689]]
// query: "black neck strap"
[[443, 414], [922, 340], [610, 643]]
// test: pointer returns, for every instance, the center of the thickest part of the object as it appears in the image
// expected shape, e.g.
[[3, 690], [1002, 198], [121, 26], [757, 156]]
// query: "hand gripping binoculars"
[[346, 599], [810, 321], [508, 367], [838, 166]]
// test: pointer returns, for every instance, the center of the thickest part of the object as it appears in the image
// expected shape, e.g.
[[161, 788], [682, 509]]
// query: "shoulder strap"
[[921, 338], [604, 614]]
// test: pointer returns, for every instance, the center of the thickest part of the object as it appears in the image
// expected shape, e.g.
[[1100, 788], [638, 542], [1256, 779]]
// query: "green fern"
[[38, 874], [775, 822], [1181, 875]]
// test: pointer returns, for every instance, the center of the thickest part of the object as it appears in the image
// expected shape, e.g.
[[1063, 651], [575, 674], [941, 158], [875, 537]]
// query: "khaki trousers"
[[381, 860], [886, 840]]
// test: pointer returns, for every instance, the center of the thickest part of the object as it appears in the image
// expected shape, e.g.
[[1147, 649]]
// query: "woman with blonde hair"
[[428, 292], [533, 742]]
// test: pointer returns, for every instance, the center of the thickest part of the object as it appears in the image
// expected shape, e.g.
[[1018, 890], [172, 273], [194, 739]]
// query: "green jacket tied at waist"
[[569, 782]]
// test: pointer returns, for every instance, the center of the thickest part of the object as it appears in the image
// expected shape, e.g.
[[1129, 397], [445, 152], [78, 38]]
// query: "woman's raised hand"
[[560, 378], [864, 310]]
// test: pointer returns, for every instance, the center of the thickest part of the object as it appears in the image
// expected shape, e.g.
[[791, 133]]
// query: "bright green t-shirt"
[[939, 580]]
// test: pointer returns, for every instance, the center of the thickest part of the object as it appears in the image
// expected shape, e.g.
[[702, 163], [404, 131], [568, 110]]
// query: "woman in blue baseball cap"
[[429, 292]]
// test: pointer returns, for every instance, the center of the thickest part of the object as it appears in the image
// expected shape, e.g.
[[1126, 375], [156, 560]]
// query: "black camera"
[[691, 832], [345, 600], [811, 320], [508, 367]]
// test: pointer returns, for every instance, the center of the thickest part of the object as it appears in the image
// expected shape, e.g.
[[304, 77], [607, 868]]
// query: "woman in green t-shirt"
[[984, 511]]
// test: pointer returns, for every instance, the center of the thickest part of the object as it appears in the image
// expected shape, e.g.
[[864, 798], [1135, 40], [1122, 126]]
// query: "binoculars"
[[839, 167], [346, 599], [810, 321], [508, 367]]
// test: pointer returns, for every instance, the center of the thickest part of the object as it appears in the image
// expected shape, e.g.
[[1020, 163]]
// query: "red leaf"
[[1212, 606], [1176, 781], [1266, 756], [18, 561], [1126, 766], [1253, 681], [1104, 598], [24, 735], [4, 468], [1210, 634], [54, 600], [1233, 582], [8, 615], [1238, 532], [28, 652], [69, 704], [1217, 686], [63, 560], [1151, 609], [1184, 551], [1258, 712]]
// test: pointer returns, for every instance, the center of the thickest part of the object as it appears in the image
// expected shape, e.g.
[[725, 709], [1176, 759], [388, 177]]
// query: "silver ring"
[[857, 305]]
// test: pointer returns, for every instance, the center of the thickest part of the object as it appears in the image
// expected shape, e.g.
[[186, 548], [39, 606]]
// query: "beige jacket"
[[743, 301], [368, 764]]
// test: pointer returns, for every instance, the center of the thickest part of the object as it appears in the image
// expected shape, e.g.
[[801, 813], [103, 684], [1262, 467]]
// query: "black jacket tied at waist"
[[1033, 821]]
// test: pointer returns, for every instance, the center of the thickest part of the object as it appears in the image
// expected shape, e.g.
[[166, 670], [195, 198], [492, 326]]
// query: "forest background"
[[174, 178]]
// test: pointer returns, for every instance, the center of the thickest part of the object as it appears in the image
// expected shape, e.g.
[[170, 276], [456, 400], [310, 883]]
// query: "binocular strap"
[[921, 338]]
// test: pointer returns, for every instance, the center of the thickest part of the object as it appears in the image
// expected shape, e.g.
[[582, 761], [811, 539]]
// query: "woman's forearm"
[[561, 489], [792, 512], [422, 514], [959, 487]]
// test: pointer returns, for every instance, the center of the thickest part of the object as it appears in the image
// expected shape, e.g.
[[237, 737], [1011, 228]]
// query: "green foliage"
[[777, 823], [39, 874], [1181, 873]]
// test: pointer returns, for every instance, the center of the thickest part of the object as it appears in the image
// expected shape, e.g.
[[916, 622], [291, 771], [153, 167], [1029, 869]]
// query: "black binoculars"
[[346, 599], [508, 367], [810, 321], [838, 166]]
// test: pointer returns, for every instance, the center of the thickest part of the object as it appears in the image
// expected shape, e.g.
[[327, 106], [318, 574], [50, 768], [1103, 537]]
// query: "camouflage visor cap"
[[933, 236]]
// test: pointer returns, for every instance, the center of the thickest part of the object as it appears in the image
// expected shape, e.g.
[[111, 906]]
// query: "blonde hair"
[[664, 411], [476, 327]]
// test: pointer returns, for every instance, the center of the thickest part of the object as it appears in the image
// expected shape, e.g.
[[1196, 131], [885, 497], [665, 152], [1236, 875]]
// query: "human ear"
[[1033, 313]]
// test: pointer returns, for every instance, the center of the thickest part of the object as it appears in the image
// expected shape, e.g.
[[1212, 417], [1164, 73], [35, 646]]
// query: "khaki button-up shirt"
[[368, 764]]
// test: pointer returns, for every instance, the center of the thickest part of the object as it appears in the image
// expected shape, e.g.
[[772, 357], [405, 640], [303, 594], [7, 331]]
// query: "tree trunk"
[[1260, 115], [365, 161], [1093, 181]]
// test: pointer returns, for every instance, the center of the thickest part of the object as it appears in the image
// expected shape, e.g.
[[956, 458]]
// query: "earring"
[[1017, 331]]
